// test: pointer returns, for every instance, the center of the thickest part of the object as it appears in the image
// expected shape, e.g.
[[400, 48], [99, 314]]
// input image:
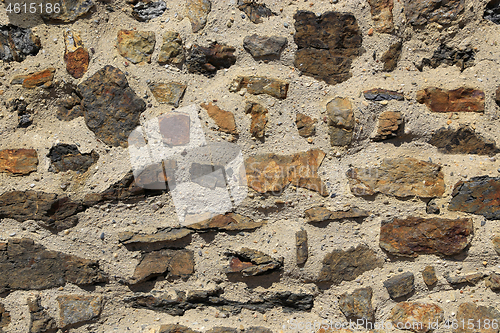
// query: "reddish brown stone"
[[320, 214], [458, 100], [207, 60], [77, 62], [18, 161], [391, 57], [249, 262], [416, 315], [257, 85], [223, 119], [463, 140], [381, 11], [164, 238], [229, 222], [422, 12], [479, 195], [34, 80], [306, 125], [414, 235], [177, 263], [259, 118], [389, 125], [197, 12], [476, 315]]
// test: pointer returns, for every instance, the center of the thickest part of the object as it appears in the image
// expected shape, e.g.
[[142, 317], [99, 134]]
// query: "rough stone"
[[450, 56], [32, 266], [111, 107], [417, 315], [378, 94], [479, 195], [492, 11], [248, 262], [341, 121], [170, 93], [347, 265], [415, 235], [223, 119], [301, 245], [17, 43], [272, 173], [227, 222], [400, 177], [4, 317], [432, 207], [258, 329], [42, 78], [175, 263], [70, 11], [327, 45], [221, 329], [358, 305], [421, 12], [400, 285], [255, 11], [321, 214], [264, 47], [24, 116], [197, 12], [391, 57], [472, 278], [493, 282], [496, 244], [207, 60], [175, 328], [257, 85], [463, 140], [148, 10], [306, 125], [18, 161], [172, 50], [75, 55], [136, 46], [78, 309], [65, 157], [69, 106], [429, 275], [40, 320], [259, 119], [165, 237], [389, 125], [476, 314], [381, 11], [497, 96], [458, 100]]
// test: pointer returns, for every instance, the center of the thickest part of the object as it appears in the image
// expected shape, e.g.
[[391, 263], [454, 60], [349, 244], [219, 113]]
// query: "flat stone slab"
[[258, 85], [463, 140], [417, 315], [476, 314], [321, 214], [42, 78], [479, 195], [378, 94], [169, 93], [227, 222], [223, 119], [136, 46], [175, 263], [264, 46], [18, 161], [458, 100], [75, 309], [249, 262]]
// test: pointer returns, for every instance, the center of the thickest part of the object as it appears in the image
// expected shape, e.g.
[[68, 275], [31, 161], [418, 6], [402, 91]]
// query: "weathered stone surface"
[[255, 11], [75, 55], [462, 140], [429, 275], [207, 60], [4, 317], [421, 12], [264, 47], [479, 195], [172, 50], [175, 128], [347, 265], [472, 278], [450, 56], [170, 93], [69, 106], [306, 125], [24, 116], [78, 309], [221, 329], [148, 10], [70, 11], [377, 94], [17, 43], [327, 45], [31, 266], [272, 173], [476, 314], [257, 85], [432, 207], [258, 329], [248, 262], [64, 157], [111, 107], [301, 245], [42, 78], [497, 96], [389, 125], [496, 244], [175, 263], [458, 100], [391, 57], [227, 222], [134, 241], [320, 214], [400, 285], [381, 11], [136, 46], [341, 121], [358, 305], [197, 12], [415, 235], [40, 320], [259, 118], [18, 161], [492, 11], [223, 119], [417, 315], [175, 328], [400, 177], [493, 282]]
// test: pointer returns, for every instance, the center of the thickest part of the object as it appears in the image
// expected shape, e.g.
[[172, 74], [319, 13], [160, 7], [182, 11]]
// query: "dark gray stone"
[[17, 43], [145, 11], [264, 46], [400, 285]]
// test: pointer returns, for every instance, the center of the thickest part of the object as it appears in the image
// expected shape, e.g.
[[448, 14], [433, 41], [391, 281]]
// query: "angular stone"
[[255, 11], [148, 10], [175, 328], [197, 12], [463, 140], [493, 282], [496, 244], [65, 157], [429, 275], [111, 107], [4, 317], [33, 80], [479, 195], [272, 173], [391, 57], [476, 315], [415, 235], [175, 263], [400, 285], [497, 96], [358, 305], [347, 265], [17, 43], [76, 56], [172, 50], [223, 119], [207, 60], [450, 56], [320, 214], [164, 237], [175, 128], [472, 278], [400, 177], [69, 106], [70, 11], [340, 121], [378, 94], [24, 116], [422, 12], [31, 266], [136, 46], [248, 262], [227, 222], [264, 47], [301, 245], [259, 119], [432, 207], [170, 93], [389, 125], [306, 125], [257, 85], [221, 329], [18, 161], [40, 319], [76, 309], [458, 100], [381, 11], [416, 315], [492, 11]]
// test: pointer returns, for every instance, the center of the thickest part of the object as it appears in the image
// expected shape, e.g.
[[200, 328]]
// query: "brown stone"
[[174, 328], [175, 128], [400, 285], [4, 317], [254, 10], [340, 121], [249, 262], [197, 12], [175, 263], [207, 60], [497, 96], [257, 85], [479, 195], [381, 11], [358, 305], [347, 265], [223, 119], [476, 315], [18, 161], [264, 47], [170, 93], [259, 118], [458, 100], [172, 51], [17, 43], [416, 315], [69, 106], [134, 241], [227, 222], [306, 125], [496, 244], [493, 282], [400, 177], [34, 80], [389, 125], [272, 173], [70, 11], [221, 329], [463, 140], [258, 329], [415, 235], [422, 12], [320, 214], [301, 245], [75, 55], [136, 46], [429, 275], [76, 309], [472, 278], [40, 319], [391, 57], [65, 157]]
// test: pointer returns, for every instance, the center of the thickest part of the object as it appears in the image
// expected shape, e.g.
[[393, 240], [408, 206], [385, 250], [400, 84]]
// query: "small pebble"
[[102, 236], [12, 234]]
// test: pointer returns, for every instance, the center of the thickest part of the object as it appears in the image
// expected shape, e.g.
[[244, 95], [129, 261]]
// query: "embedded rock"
[[450, 56], [248, 262], [69, 107], [400, 285], [64, 157], [40, 319], [257, 85], [255, 11], [358, 305], [463, 140], [378, 94], [492, 11], [306, 125], [223, 119], [259, 118], [42, 78], [432, 207], [148, 10], [175, 263], [227, 222], [136, 46], [493, 282], [497, 96], [197, 12], [391, 57], [479, 195], [429, 275], [418, 315], [458, 100], [4, 317], [172, 50], [164, 238], [301, 245], [267, 47], [496, 244], [421, 12], [75, 55], [341, 121], [18, 162], [175, 328], [77, 309], [476, 315], [320, 214], [170, 92], [381, 11], [389, 125], [17, 43], [207, 60], [472, 278], [70, 11]]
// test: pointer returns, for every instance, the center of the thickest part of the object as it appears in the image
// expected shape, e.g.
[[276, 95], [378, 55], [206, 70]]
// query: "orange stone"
[[77, 62], [18, 161], [458, 100], [223, 119]]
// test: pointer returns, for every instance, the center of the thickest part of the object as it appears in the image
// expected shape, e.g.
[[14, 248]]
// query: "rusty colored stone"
[[223, 119], [207, 60], [227, 222], [463, 140], [259, 118], [170, 92], [358, 305], [400, 177], [320, 214], [136, 46], [75, 55], [172, 50], [18, 161], [40, 320], [476, 315], [479, 195], [418, 315], [249, 262], [422, 12], [197, 12], [34, 80], [175, 263], [257, 85], [377, 94], [255, 11], [4, 317], [400, 285], [429, 275], [77, 309], [341, 121], [415, 235], [301, 246], [391, 57], [272, 173], [389, 125], [306, 125], [458, 100], [381, 11]]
